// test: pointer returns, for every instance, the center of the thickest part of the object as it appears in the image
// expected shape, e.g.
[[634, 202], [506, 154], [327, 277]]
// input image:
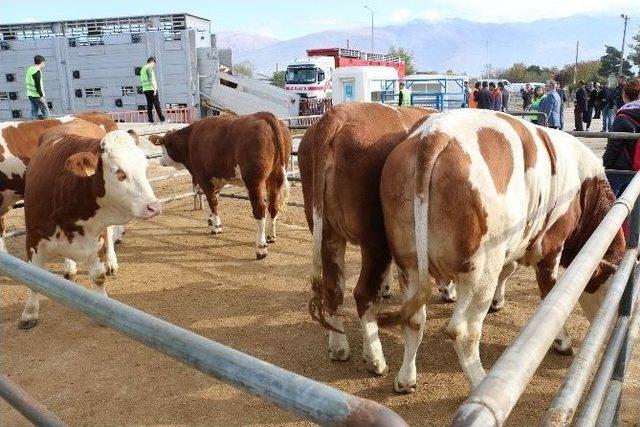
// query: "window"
[[4, 96], [93, 92], [128, 91]]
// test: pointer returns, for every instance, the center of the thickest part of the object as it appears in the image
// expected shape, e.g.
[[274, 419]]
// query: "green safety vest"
[[406, 96], [144, 78], [31, 84]]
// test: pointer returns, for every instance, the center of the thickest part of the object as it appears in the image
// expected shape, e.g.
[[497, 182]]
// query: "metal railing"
[[174, 114], [294, 393], [492, 401]]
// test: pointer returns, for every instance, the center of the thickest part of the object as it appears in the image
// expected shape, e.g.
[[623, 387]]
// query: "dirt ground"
[[171, 267]]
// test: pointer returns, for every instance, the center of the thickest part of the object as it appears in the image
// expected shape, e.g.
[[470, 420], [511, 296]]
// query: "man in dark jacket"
[[504, 93], [580, 106], [485, 100], [619, 153], [608, 109], [618, 96], [527, 96], [595, 99]]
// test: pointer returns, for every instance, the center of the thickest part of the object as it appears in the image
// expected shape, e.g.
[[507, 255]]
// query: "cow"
[[470, 195], [76, 187], [251, 150], [340, 160], [19, 141], [111, 234]]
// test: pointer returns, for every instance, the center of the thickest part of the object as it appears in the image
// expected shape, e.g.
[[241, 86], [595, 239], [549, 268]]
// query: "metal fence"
[[492, 401]]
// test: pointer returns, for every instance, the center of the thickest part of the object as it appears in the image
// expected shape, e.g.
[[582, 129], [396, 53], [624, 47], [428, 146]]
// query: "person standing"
[[580, 106], [465, 95], [473, 98], [588, 114], [34, 80], [538, 94], [404, 97], [505, 96], [496, 97], [551, 105], [485, 100], [620, 153], [618, 100], [608, 95], [150, 89], [563, 98], [596, 99], [527, 96]]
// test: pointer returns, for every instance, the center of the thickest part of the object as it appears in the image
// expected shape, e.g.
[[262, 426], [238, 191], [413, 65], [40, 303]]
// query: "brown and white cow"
[[18, 143], [76, 187], [251, 150], [469, 195], [341, 159]]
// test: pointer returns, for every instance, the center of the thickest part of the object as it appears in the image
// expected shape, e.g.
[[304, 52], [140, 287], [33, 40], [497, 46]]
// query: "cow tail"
[[327, 129], [429, 148], [282, 145]]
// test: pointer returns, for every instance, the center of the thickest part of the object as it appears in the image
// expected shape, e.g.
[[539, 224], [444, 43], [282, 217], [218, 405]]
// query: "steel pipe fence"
[[492, 401], [294, 393], [29, 408]]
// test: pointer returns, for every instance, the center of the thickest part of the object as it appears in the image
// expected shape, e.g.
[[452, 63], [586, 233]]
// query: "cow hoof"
[[210, 222], [386, 293], [261, 251], [27, 324], [111, 271], [339, 354], [117, 241], [403, 388], [378, 367], [70, 276], [496, 306], [260, 255], [100, 280], [557, 347], [447, 297], [271, 239], [216, 230]]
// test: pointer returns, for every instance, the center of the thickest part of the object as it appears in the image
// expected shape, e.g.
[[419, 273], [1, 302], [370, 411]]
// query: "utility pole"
[[624, 37], [347, 43], [370, 10], [575, 67]]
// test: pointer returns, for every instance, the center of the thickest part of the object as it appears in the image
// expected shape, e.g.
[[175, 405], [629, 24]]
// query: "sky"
[[288, 19]]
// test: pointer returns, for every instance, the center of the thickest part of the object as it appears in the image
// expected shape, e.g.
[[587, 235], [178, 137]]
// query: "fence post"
[[611, 405]]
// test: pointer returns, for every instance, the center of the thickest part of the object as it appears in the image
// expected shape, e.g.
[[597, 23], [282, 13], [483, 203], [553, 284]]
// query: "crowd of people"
[[595, 100]]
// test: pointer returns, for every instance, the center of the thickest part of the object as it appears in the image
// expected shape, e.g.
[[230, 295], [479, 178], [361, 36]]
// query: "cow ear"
[[156, 139], [82, 164], [134, 135]]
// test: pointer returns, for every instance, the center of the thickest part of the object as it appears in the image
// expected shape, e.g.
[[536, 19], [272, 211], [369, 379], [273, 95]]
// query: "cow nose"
[[153, 209]]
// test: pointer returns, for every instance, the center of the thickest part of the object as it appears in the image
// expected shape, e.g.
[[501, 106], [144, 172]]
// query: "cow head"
[[171, 156], [127, 191]]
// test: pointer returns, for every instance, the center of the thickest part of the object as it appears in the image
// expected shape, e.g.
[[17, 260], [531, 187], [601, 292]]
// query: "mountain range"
[[455, 44]]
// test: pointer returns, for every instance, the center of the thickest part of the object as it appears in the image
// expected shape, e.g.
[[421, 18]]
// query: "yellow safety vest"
[[31, 84]]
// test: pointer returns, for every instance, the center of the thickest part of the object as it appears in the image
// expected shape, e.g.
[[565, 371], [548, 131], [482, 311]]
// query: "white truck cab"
[[310, 77]]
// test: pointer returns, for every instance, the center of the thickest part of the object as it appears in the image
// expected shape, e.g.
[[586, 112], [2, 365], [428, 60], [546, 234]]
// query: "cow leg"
[[259, 207], [498, 297], [97, 272], [277, 194], [447, 291], [211, 192], [107, 253], [375, 264], [69, 269], [3, 229], [406, 379], [333, 285], [29, 317], [546, 276], [386, 282], [118, 233], [475, 292]]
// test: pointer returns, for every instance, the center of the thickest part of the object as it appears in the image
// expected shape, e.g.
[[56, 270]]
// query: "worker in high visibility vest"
[[404, 97], [150, 89], [34, 80]]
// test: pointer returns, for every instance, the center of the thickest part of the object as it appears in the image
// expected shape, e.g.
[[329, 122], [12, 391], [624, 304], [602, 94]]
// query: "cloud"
[[509, 11], [400, 15]]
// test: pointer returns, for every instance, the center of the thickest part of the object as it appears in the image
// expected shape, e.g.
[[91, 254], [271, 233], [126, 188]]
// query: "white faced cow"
[[76, 187]]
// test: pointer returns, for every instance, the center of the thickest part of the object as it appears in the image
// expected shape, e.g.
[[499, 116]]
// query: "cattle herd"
[[456, 200]]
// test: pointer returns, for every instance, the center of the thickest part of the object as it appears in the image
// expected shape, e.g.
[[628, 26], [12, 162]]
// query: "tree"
[[610, 63], [516, 73], [243, 69], [634, 56], [277, 79], [406, 55]]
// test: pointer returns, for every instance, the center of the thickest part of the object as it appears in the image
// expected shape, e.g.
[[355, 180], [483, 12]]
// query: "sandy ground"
[[172, 268]]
